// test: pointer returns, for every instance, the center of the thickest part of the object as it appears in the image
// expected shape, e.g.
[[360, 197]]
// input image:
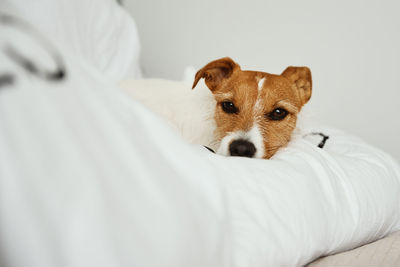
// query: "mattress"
[[384, 252]]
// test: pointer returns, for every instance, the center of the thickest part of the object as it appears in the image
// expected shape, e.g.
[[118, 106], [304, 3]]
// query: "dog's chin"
[[218, 152]]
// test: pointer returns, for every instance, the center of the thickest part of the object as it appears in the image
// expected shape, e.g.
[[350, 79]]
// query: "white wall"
[[352, 48]]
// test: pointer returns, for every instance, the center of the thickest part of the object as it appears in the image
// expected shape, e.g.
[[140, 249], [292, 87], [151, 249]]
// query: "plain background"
[[352, 48]]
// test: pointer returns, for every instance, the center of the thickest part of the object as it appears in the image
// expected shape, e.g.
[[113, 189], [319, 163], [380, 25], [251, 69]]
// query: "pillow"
[[89, 177], [98, 31]]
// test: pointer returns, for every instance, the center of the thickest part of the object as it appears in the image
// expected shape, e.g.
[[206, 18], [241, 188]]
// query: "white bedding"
[[99, 32], [90, 178]]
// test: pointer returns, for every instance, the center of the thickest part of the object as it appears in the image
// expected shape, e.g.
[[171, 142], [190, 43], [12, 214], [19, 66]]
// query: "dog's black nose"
[[242, 148]]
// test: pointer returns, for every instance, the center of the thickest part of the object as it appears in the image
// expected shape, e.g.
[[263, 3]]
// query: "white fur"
[[257, 106], [190, 112], [261, 83], [255, 136]]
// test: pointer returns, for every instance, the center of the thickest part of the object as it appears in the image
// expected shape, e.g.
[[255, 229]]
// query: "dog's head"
[[256, 112]]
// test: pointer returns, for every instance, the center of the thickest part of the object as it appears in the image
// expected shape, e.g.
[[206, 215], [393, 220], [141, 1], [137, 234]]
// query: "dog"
[[240, 113], [256, 112]]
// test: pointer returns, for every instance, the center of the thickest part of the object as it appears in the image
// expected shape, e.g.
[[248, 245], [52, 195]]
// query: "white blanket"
[[90, 178]]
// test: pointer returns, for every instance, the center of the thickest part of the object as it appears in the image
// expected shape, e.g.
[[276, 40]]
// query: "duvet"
[[90, 178]]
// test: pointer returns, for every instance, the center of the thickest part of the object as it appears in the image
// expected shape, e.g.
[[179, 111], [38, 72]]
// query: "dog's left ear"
[[301, 78], [216, 71]]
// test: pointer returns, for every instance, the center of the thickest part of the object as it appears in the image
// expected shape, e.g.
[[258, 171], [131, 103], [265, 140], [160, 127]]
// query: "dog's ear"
[[301, 78], [215, 71]]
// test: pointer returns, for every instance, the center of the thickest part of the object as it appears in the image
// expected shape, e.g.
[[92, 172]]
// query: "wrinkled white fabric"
[[97, 31], [90, 178]]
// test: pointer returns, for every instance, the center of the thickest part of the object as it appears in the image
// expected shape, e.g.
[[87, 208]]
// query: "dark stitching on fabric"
[[324, 138], [210, 149], [57, 75], [6, 79]]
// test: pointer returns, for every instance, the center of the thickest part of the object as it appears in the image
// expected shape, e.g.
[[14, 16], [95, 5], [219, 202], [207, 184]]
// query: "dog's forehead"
[[260, 80], [275, 85], [247, 85], [244, 81]]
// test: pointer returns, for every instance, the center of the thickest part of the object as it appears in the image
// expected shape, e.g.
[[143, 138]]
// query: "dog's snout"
[[242, 148]]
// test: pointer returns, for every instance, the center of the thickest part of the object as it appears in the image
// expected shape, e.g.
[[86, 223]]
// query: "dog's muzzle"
[[242, 148]]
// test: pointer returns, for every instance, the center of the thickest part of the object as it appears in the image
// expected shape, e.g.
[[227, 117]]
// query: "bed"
[[384, 252], [89, 177]]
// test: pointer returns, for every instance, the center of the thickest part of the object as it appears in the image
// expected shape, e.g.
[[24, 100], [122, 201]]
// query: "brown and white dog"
[[237, 112], [256, 112]]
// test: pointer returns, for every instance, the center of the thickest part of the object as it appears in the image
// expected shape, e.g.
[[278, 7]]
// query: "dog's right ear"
[[215, 71]]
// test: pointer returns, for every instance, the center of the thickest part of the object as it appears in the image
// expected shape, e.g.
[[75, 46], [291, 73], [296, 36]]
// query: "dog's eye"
[[277, 114], [229, 107]]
